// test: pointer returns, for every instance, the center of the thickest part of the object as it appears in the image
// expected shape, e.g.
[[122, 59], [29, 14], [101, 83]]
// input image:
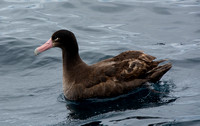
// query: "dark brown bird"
[[107, 78]]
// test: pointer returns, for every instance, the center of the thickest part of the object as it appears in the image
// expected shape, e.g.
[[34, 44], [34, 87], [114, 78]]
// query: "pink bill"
[[45, 46]]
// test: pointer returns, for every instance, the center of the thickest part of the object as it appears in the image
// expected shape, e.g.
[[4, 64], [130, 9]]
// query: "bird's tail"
[[156, 73]]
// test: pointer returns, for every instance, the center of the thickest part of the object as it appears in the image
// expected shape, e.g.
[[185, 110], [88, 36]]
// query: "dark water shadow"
[[139, 98]]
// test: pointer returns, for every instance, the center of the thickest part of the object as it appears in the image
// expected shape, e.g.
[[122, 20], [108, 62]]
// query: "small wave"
[[93, 57], [17, 55], [110, 8], [185, 121], [37, 1]]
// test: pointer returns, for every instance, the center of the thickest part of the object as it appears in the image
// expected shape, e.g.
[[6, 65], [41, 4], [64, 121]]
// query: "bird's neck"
[[72, 66], [70, 60]]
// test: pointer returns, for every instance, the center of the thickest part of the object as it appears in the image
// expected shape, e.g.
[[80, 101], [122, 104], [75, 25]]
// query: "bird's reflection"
[[139, 98]]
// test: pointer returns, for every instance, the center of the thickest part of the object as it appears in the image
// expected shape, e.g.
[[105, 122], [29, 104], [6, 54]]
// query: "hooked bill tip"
[[36, 52]]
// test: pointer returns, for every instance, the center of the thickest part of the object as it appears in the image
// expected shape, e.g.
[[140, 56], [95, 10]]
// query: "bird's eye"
[[57, 39]]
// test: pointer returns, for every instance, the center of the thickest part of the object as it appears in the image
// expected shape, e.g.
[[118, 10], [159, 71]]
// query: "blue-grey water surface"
[[31, 87]]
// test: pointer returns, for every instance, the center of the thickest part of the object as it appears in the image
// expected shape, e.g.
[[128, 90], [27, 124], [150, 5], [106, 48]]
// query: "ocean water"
[[31, 87]]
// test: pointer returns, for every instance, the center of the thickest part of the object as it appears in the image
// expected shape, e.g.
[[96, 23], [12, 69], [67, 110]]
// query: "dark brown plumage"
[[107, 78]]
